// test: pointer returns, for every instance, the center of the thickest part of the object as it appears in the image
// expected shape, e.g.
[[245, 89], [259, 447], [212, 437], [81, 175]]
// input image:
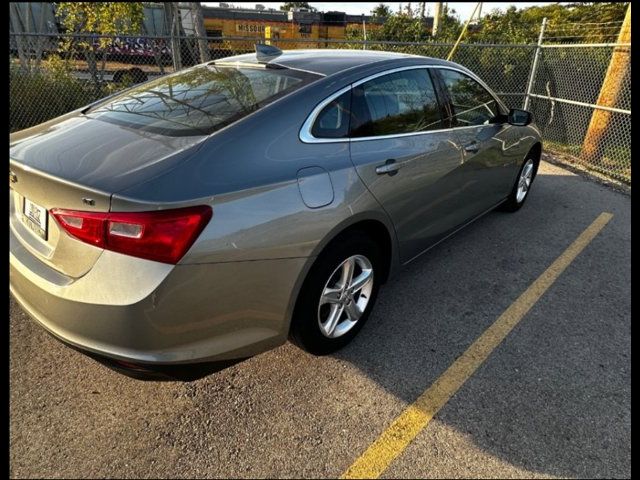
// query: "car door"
[[403, 152], [480, 128]]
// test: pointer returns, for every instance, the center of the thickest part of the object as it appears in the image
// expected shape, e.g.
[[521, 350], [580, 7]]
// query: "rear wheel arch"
[[368, 240], [375, 229]]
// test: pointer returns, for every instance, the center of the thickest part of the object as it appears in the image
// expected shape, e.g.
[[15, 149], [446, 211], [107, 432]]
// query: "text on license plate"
[[35, 217]]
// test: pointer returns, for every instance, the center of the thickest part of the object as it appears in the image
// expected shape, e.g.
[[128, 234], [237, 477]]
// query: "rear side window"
[[401, 102], [472, 103], [333, 120], [200, 100]]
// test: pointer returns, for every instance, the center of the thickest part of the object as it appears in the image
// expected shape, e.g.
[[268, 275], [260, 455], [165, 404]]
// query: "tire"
[[311, 326], [118, 76], [517, 197], [138, 75]]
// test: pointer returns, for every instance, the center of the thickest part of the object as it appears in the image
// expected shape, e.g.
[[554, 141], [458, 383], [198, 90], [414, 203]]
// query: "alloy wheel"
[[524, 182], [345, 296]]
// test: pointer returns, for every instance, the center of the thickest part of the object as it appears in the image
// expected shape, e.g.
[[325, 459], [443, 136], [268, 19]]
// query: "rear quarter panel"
[[248, 173]]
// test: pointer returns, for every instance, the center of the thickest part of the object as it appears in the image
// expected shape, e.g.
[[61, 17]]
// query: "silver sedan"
[[213, 213]]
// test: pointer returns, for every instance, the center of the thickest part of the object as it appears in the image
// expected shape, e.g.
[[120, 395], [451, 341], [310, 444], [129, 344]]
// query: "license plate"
[[36, 218]]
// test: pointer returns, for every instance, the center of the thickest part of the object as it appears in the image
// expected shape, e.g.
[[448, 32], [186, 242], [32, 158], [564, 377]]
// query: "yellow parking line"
[[416, 416]]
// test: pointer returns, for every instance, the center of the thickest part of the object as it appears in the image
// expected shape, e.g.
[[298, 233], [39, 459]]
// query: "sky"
[[464, 9]]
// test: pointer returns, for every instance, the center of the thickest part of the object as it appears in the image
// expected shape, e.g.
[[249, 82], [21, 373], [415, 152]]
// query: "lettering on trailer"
[[249, 28]]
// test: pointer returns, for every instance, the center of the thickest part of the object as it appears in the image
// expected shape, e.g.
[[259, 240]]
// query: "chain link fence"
[[568, 86], [54, 74]]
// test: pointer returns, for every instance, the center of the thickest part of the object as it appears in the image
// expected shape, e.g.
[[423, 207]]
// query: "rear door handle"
[[390, 167], [472, 147]]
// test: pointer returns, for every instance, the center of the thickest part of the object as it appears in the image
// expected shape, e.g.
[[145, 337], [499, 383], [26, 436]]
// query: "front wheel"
[[520, 190], [337, 296]]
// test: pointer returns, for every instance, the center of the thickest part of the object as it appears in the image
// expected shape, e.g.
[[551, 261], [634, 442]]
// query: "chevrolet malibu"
[[213, 213]]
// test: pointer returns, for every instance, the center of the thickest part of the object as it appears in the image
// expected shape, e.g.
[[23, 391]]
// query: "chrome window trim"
[[305, 132], [305, 135]]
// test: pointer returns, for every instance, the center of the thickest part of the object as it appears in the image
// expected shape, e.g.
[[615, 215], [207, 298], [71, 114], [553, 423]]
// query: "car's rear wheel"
[[337, 295], [520, 190]]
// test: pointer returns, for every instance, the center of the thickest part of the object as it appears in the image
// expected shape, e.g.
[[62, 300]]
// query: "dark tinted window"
[[200, 100], [401, 102], [472, 103], [333, 120]]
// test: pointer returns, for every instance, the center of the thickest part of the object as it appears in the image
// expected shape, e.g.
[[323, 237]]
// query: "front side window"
[[201, 100], [472, 103], [401, 102]]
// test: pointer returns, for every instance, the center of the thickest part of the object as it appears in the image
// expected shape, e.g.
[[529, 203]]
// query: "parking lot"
[[552, 400]]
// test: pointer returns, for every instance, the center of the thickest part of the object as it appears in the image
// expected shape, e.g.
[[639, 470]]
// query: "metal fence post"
[[534, 66], [364, 30]]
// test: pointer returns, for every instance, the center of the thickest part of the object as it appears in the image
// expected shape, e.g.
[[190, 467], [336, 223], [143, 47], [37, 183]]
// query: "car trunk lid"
[[77, 164], [32, 194]]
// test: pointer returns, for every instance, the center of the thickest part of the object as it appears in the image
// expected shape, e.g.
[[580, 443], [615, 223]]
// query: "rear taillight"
[[163, 235]]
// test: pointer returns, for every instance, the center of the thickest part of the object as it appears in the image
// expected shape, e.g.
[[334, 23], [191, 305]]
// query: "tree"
[[97, 18], [291, 5], [408, 9], [198, 21], [382, 11], [406, 27], [401, 28], [423, 6], [450, 25], [582, 21]]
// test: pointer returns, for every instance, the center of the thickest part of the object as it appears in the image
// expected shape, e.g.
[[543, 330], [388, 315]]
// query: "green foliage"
[[52, 90], [103, 18], [566, 23], [450, 27], [291, 5], [100, 18], [406, 26], [511, 26], [42, 94], [382, 11], [401, 27], [569, 23]]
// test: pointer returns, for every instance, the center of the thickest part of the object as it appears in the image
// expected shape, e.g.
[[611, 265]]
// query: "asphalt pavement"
[[552, 400]]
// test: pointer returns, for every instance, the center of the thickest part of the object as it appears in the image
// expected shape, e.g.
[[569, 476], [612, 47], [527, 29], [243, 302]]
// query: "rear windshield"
[[200, 100]]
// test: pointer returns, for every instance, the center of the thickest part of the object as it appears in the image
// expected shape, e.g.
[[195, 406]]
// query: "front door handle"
[[390, 167], [472, 147]]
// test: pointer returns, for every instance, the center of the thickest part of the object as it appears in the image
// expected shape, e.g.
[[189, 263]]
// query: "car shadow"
[[542, 401], [554, 396]]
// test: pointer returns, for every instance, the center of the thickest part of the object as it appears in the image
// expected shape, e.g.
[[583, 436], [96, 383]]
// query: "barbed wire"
[[560, 29], [589, 23]]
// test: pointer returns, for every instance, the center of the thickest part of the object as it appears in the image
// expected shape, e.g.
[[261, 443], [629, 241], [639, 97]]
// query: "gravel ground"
[[553, 400]]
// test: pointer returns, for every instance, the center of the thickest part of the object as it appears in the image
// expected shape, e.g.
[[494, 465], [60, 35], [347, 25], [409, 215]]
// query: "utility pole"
[[172, 16], [436, 18], [479, 11], [201, 33], [18, 27], [422, 7], [609, 92]]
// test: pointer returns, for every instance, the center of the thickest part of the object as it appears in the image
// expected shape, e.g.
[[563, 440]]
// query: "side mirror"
[[519, 118]]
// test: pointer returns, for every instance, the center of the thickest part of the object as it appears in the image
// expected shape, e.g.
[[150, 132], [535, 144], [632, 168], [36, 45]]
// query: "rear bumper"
[[143, 312]]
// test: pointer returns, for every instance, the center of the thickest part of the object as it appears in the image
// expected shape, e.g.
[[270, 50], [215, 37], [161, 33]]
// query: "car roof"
[[326, 62]]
